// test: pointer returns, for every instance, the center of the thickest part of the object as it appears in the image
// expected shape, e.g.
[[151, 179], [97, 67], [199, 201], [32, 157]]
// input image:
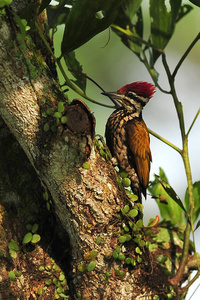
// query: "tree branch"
[[185, 55]]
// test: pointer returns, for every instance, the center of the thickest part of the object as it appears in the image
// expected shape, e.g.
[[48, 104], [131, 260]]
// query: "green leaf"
[[76, 69], [117, 272], [167, 236], [29, 227], [172, 209], [133, 213], [13, 245], [128, 260], [48, 282], [138, 251], [57, 14], [133, 197], [86, 165], [163, 20], [5, 2], [196, 192], [126, 228], [161, 258], [122, 239], [123, 174], [115, 254], [63, 295], [57, 115], [82, 23], [39, 291], [126, 182], [55, 267], [91, 255], [20, 25], [13, 253], [170, 191], [91, 266], [46, 197], [126, 209], [141, 243], [46, 127], [48, 206], [118, 249], [163, 175], [29, 13], [63, 119], [131, 7], [130, 224], [129, 25], [36, 238], [49, 111], [128, 237], [61, 276], [133, 262], [98, 240], [121, 256], [82, 267], [34, 228], [11, 275], [139, 224], [61, 106], [27, 238], [59, 289], [64, 282]]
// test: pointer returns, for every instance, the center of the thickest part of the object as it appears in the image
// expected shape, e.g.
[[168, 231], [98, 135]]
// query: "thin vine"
[[184, 152]]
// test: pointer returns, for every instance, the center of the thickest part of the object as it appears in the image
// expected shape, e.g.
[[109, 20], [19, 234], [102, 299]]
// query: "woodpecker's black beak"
[[114, 96]]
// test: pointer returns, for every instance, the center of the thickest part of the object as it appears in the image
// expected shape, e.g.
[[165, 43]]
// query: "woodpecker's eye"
[[130, 95]]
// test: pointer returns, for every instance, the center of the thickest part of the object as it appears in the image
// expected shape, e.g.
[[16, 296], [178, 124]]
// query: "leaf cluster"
[[171, 207], [31, 236], [56, 279], [83, 19], [130, 23]]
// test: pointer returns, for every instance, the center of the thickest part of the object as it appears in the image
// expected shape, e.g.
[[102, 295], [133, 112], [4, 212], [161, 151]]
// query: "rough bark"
[[86, 202]]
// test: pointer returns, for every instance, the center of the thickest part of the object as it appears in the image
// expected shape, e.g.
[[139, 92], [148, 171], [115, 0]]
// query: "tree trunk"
[[85, 198]]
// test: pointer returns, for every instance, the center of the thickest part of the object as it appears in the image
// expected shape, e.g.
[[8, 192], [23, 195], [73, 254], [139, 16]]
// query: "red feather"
[[141, 88]]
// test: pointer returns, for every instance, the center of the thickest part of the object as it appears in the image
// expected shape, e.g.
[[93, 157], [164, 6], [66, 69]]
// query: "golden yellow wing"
[[140, 153]]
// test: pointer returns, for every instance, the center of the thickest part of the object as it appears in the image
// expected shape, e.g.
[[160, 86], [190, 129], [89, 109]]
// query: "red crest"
[[141, 88]]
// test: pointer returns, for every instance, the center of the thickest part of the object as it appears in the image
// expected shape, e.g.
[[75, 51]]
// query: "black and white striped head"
[[134, 96]]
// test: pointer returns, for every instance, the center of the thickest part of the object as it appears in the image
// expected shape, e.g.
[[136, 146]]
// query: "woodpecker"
[[127, 135]]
